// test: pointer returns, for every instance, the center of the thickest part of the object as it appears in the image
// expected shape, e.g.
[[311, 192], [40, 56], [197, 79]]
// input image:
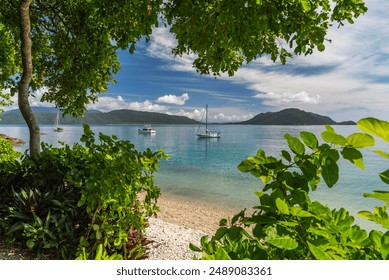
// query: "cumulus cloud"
[[161, 44], [221, 117], [195, 114], [286, 98], [106, 104], [173, 99]]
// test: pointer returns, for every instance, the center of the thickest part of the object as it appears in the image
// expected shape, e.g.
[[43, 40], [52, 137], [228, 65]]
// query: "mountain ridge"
[[293, 116], [290, 116]]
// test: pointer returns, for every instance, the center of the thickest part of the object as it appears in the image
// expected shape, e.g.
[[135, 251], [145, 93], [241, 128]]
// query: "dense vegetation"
[[87, 201], [286, 224]]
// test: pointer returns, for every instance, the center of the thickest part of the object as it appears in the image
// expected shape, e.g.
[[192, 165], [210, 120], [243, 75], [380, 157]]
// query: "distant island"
[[293, 116], [285, 117], [97, 117]]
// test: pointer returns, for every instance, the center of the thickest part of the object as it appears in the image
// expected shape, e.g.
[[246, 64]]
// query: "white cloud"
[[288, 98], [106, 104], [221, 117], [195, 114], [161, 45], [173, 99]]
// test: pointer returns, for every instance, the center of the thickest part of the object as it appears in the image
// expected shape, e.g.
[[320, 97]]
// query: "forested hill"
[[284, 117], [292, 117], [97, 117]]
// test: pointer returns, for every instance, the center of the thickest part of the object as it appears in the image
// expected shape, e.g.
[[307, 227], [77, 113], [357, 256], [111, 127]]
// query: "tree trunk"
[[24, 85]]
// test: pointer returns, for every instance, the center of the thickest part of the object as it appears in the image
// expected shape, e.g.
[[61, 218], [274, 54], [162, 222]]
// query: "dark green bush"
[[87, 201]]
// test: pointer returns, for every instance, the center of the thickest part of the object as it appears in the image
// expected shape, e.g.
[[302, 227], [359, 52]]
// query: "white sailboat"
[[56, 127], [208, 133]]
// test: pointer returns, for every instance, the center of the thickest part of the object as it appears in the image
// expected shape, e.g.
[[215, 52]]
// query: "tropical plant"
[[68, 48], [87, 201], [286, 224], [7, 152]]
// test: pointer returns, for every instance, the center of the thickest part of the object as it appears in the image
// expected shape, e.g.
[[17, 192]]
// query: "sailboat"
[[208, 133], [56, 127]]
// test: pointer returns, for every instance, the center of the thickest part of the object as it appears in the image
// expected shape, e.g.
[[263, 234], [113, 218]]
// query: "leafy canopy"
[[225, 33], [74, 45], [75, 42]]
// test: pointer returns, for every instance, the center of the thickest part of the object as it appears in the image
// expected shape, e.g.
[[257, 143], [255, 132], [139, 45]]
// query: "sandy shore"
[[182, 221], [191, 213]]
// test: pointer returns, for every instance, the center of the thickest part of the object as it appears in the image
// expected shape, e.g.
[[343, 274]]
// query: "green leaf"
[[247, 165], [286, 155], [380, 195], [194, 247], [375, 237], [333, 138], [382, 153], [360, 140], [30, 243], [221, 254], [358, 236], [330, 172], [309, 139], [282, 206], [295, 144], [99, 235], [385, 176], [375, 126], [99, 252], [385, 246], [318, 253], [299, 212], [354, 156], [306, 5], [220, 233], [286, 242]]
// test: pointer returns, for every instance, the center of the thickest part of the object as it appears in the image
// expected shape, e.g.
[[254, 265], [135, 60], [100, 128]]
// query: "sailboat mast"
[[206, 117]]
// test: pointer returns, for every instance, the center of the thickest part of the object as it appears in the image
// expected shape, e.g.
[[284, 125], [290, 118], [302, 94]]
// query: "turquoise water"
[[206, 169]]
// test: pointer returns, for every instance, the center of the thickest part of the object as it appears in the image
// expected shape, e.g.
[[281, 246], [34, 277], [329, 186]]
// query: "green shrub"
[[87, 201], [7, 152], [286, 224]]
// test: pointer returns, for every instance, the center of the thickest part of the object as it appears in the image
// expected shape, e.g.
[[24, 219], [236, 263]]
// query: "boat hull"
[[141, 131], [209, 135]]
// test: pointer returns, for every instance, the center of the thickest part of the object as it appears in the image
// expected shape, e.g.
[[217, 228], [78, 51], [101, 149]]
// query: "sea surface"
[[206, 169]]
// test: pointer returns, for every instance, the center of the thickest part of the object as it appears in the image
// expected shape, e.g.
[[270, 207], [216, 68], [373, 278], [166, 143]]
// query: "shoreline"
[[182, 221], [191, 213]]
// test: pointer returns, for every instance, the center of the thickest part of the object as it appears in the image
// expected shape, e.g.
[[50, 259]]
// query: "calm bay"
[[206, 169]]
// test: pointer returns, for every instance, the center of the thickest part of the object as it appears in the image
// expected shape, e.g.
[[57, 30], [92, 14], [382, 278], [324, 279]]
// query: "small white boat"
[[56, 127], [208, 133], [147, 129]]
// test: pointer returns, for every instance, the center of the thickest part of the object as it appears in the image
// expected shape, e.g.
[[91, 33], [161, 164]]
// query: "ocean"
[[206, 169]]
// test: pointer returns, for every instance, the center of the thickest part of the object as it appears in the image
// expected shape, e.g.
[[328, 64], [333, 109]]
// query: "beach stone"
[[171, 241]]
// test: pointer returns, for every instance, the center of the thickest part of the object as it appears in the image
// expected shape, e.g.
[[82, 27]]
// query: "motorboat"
[[147, 129]]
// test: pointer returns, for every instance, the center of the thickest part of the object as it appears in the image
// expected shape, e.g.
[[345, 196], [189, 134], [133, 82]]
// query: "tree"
[[69, 47]]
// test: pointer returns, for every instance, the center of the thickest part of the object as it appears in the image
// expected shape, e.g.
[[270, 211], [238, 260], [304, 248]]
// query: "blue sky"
[[348, 81]]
